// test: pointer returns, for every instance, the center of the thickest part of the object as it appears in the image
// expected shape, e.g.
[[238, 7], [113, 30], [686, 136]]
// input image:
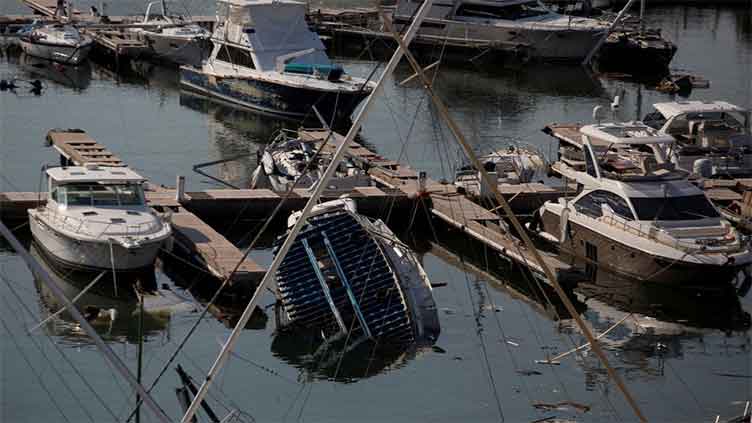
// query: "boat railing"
[[655, 234], [87, 226]]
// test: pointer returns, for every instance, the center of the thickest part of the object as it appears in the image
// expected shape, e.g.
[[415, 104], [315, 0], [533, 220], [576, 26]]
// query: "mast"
[[454, 128], [320, 186], [111, 357]]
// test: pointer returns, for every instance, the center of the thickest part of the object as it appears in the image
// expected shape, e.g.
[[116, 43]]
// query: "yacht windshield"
[[508, 12], [100, 195], [690, 207]]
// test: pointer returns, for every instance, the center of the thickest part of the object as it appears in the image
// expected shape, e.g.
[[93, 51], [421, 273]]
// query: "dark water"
[[684, 356]]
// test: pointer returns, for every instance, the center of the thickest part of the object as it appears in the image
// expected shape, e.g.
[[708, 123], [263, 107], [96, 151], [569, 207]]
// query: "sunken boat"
[[349, 277], [292, 161]]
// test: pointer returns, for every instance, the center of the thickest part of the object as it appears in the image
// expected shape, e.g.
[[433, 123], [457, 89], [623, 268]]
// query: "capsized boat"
[[639, 216], [172, 37], [713, 138], [97, 218], [347, 275], [265, 58], [550, 36], [58, 42], [290, 161]]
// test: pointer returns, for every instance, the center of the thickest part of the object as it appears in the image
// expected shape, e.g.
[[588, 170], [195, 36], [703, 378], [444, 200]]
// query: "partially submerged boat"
[[549, 36], [713, 138], [173, 37], [513, 165], [349, 276], [637, 215], [97, 218], [265, 58], [61, 43], [290, 161]]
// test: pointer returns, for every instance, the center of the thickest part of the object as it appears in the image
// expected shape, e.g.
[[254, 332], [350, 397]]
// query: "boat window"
[[236, 56], [654, 120], [591, 205], [101, 195], [508, 12], [690, 207], [589, 165]]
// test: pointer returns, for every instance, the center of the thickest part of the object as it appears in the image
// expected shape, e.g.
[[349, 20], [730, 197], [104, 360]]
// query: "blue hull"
[[282, 100]]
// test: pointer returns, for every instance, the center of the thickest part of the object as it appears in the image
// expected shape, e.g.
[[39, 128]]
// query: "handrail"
[[82, 226], [629, 226]]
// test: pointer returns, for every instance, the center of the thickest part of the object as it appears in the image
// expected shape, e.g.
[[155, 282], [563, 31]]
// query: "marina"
[[410, 244]]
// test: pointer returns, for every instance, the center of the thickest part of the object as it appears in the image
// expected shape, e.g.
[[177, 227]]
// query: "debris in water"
[[562, 405]]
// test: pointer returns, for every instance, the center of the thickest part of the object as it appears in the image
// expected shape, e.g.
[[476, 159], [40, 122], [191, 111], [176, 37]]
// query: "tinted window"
[[589, 165], [689, 207], [235, 56], [591, 204], [511, 12], [82, 194]]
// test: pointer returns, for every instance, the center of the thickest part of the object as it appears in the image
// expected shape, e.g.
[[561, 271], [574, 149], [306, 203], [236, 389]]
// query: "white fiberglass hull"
[[92, 254], [180, 50], [72, 55]]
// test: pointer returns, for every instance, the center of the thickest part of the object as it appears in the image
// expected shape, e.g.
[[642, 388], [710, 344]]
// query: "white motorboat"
[[265, 58], [548, 35], [347, 275], [173, 37], [637, 215], [713, 138], [97, 218], [291, 160], [59, 42]]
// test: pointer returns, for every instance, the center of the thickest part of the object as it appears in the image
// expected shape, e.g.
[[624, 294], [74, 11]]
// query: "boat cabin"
[[94, 186], [269, 35], [627, 151], [704, 124]]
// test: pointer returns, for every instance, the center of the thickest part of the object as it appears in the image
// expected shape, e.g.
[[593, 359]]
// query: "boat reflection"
[[114, 315], [235, 135], [76, 77], [340, 361], [646, 324]]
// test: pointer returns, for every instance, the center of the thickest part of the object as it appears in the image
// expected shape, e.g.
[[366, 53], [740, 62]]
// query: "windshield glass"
[[509, 12], [690, 207], [100, 195]]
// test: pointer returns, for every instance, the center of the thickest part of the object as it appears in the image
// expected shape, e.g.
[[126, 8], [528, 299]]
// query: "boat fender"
[[564, 225]]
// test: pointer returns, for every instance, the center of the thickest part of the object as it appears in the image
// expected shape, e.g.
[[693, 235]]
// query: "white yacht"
[[265, 58], [713, 138], [293, 161], [639, 216], [173, 37], [513, 166], [549, 36], [59, 42], [97, 218]]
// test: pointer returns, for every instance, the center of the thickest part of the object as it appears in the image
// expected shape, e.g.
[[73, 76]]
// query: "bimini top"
[[92, 173], [625, 133], [669, 110]]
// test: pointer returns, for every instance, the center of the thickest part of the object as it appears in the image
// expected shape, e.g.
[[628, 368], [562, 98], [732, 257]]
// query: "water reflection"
[[114, 315], [76, 77], [340, 361], [655, 322]]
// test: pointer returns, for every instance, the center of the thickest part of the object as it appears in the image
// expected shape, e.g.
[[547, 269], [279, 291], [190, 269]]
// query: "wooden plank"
[[218, 254]]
